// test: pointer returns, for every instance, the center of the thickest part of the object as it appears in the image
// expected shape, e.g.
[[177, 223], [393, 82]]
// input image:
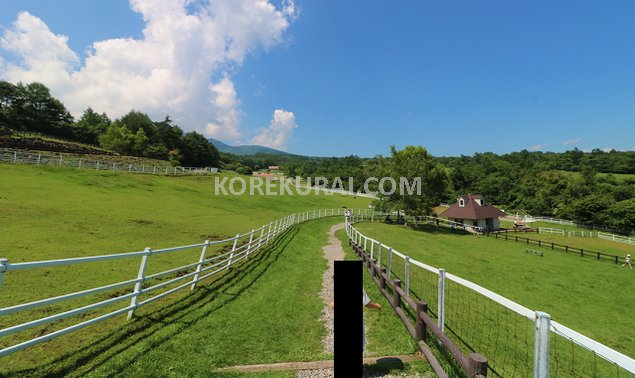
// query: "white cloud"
[[538, 147], [167, 71], [572, 141], [277, 134]]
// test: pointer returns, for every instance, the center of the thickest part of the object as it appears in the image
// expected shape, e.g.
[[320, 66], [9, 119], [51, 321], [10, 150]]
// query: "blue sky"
[[344, 77]]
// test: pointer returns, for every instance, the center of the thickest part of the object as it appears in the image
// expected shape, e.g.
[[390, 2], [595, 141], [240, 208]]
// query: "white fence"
[[546, 230], [575, 224], [545, 328], [617, 238], [170, 280], [28, 157]]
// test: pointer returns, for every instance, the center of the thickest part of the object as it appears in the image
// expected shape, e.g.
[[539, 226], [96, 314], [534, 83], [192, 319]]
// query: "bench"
[[538, 253]]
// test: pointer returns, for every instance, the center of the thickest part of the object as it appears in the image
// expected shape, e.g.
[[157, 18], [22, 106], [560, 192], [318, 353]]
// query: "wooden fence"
[[475, 365], [554, 246]]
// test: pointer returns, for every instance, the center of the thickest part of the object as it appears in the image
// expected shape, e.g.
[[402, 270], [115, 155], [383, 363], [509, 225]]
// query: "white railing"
[[547, 230], [141, 293], [36, 158], [616, 238], [542, 320], [575, 224]]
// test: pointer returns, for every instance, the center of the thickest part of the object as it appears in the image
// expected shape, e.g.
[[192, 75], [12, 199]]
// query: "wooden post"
[[477, 365], [382, 278], [420, 326], [396, 298]]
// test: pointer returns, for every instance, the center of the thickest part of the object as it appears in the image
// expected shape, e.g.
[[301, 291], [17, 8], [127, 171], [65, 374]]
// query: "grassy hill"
[[591, 297], [57, 212]]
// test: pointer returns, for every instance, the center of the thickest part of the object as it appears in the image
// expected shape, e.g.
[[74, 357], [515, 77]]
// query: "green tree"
[[198, 151], [91, 125], [411, 164], [117, 138]]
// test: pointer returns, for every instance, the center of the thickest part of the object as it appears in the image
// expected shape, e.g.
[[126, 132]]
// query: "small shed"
[[472, 211], [274, 167]]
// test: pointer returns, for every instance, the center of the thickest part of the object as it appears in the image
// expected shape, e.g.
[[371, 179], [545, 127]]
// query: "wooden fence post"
[[382, 279], [396, 298], [420, 326], [477, 365]]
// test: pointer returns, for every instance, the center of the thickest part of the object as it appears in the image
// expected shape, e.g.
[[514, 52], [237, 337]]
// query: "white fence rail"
[[547, 230], [28, 157], [386, 255], [617, 238], [141, 292], [575, 224]]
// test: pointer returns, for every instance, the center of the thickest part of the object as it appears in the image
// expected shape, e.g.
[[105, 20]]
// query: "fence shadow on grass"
[[90, 357]]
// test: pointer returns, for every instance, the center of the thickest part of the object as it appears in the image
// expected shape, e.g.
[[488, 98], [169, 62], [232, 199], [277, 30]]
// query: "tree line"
[[589, 187], [30, 107]]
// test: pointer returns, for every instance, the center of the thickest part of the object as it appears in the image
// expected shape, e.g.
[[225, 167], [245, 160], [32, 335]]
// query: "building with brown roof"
[[472, 211]]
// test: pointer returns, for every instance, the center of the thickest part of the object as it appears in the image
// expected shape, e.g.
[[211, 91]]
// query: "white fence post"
[[365, 240], [372, 248], [441, 300], [231, 255], [3, 268], [140, 277], [407, 270], [251, 239], [79, 165], [389, 261], [15, 157], [39, 158], [269, 233], [97, 166], [379, 255], [154, 170], [541, 345], [60, 160], [262, 234], [200, 264], [114, 167]]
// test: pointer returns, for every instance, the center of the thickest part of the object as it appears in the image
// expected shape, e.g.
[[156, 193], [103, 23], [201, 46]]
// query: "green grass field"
[[594, 298], [50, 212], [588, 243]]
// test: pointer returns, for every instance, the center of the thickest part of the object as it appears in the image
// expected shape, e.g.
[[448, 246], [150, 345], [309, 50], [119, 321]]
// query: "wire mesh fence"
[[508, 334]]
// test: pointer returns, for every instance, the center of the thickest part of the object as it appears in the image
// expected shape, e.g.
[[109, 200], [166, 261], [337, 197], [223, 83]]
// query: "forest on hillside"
[[596, 187], [30, 107]]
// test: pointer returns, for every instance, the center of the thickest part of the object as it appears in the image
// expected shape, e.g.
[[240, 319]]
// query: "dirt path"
[[332, 251]]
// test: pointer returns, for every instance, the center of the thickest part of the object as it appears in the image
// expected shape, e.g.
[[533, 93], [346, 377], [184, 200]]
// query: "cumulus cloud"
[[572, 141], [167, 71], [277, 134], [538, 147]]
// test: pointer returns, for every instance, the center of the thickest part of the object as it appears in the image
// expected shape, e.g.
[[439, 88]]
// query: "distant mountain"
[[250, 149]]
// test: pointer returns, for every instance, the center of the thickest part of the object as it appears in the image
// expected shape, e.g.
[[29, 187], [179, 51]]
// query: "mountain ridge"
[[246, 149]]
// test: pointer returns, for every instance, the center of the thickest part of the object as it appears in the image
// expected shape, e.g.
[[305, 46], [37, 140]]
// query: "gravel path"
[[332, 251]]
